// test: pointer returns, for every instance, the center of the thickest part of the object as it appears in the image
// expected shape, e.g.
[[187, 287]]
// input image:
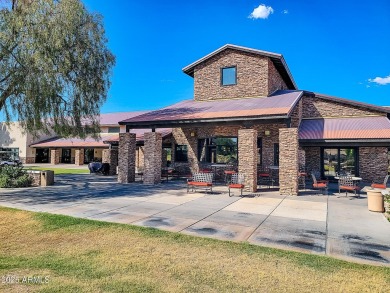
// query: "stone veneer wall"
[[316, 107], [252, 76], [54, 157], [182, 136], [126, 155], [296, 115], [247, 164], [313, 158], [373, 164], [79, 157], [275, 81], [110, 156], [28, 160], [288, 161], [153, 152]]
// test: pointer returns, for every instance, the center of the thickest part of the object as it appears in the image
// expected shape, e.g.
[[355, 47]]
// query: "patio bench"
[[200, 180]]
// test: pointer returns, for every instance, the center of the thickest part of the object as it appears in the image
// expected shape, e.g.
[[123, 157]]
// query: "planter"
[[375, 200]]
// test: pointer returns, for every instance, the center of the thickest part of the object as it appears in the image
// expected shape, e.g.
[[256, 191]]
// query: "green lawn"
[[60, 171], [80, 255]]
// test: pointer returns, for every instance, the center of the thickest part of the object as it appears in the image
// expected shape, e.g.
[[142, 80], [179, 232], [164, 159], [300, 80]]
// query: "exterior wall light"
[[193, 133], [267, 132]]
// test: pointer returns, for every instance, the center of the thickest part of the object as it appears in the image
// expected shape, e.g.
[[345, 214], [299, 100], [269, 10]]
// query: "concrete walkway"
[[341, 227]]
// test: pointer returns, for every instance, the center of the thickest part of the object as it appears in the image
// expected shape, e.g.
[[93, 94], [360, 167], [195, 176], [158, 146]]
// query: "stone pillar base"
[[126, 157], [54, 157], [152, 159], [79, 157], [110, 156], [288, 161], [247, 157]]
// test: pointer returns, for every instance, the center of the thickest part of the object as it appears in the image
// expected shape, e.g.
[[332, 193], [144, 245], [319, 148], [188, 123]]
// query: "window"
[[217, 150], [114, 129], [9, 154], [259, 151], [181, 153], [229, 76], [276, 154], [339, 160]]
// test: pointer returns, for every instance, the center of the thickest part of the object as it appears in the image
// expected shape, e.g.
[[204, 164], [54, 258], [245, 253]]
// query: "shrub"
[[14, 176]]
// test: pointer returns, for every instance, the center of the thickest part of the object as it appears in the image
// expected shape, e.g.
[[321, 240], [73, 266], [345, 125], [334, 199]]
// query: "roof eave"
[[353, 103], [179, 123]]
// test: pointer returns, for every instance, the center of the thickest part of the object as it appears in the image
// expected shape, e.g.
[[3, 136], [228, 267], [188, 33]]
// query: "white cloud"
[[285, 11], [380, 80], [262, 12]]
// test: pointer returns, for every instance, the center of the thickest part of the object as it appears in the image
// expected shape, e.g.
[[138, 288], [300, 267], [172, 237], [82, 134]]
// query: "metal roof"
[[370, 127], [72, 142], [352, 103], [278, 105], [89, 142], [276, 58], [140, 133], [114, 118]]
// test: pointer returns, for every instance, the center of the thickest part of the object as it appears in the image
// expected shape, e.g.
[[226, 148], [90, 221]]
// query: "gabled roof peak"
[[276, 58]]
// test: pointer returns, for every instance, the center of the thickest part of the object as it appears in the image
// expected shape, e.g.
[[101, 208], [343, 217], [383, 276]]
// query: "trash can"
[[47, 178], [375, 200]]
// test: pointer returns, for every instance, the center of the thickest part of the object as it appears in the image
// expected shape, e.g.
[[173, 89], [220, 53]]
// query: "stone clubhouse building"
[[248, 110]]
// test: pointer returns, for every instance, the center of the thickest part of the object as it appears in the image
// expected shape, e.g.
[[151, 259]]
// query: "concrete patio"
[[332, 225]]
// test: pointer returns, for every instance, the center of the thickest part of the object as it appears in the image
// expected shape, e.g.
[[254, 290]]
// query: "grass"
[[61, 171], [81, 255]]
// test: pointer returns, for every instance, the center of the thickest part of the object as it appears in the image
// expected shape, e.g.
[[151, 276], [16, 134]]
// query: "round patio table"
[[352, 177]]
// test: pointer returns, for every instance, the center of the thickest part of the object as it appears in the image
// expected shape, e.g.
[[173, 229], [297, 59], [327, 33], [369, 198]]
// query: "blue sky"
[[331, 47]]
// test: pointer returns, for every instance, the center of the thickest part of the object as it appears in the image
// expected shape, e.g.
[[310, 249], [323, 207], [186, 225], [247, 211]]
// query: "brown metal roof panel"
[[281, 102], [376, 127]]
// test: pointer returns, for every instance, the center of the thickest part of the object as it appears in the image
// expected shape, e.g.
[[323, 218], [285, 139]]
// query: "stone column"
[[288, 161], [126, 157], [110, 156], [247, 157], [152, 159], [79, 157], [55, 157]]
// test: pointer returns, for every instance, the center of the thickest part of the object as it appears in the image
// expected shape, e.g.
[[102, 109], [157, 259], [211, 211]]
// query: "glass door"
[[88, 155], [330, 162], [66, 156]]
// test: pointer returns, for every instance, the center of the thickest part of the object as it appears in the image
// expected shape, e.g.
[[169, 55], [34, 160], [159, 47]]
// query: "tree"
[[54, 66]]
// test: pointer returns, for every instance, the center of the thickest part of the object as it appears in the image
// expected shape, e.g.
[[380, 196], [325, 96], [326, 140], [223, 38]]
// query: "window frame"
[[235, 75], [118, 128]]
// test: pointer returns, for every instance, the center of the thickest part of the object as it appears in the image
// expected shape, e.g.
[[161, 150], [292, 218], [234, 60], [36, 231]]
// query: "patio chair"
[[200, 180], [228, 175], [381, 185], [346, 183], [320, 186], [302, 180], [264, 177], [238, 182]]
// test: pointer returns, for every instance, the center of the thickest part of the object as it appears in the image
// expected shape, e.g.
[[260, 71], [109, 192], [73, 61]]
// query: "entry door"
[[66, 156], [42, 156], [88, 155]]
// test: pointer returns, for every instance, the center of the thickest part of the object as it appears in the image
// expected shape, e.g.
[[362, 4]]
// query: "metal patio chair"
[[346, 183]]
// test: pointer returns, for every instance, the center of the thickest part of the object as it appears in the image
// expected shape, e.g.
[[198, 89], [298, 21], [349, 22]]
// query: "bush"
[[14, 176]]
